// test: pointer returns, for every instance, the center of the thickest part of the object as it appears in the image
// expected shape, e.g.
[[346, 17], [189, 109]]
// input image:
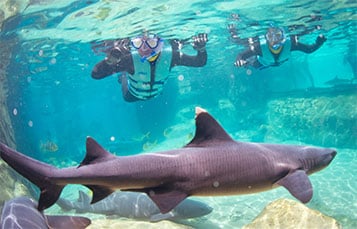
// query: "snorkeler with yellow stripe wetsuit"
[[272, 49], [144, 63]]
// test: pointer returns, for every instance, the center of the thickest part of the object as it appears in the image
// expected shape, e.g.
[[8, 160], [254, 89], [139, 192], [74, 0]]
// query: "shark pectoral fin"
[[298, 184], [99, 192], [159, 217], [166, 200], [75, 222]]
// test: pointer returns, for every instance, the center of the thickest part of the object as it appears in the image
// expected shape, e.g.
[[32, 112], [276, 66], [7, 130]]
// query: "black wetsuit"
[[255, 50], [249, 57], [126, 64]]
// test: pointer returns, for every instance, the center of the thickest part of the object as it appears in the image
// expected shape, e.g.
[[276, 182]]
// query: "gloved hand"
[[175, 44], [231, 27], [240, 63], [114, 56], [320, 39], [120, 49], [199, 41]]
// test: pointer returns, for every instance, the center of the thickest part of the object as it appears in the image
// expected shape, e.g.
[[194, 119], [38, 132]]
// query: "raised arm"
[[199, 44], [118, 59], [253, 49], [306, 48]]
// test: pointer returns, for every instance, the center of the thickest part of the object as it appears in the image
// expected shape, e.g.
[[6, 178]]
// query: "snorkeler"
[[271, 49], [144, 63]]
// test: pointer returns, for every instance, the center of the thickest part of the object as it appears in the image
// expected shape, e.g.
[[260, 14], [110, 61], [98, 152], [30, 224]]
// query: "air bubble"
[[14, 111], [181, 77]]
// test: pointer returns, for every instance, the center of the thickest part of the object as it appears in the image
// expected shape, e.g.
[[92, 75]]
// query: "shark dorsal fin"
[[95, 153], [208, 130]]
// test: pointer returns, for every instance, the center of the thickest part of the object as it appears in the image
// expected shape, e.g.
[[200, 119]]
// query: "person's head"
[[148, 45], [275, 37]]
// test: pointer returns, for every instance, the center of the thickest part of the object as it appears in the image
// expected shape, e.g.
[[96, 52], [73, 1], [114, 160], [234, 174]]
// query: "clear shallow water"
[[55, 104]]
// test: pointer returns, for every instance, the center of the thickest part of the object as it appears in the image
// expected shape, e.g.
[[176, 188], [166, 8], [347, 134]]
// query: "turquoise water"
[[54, 103]]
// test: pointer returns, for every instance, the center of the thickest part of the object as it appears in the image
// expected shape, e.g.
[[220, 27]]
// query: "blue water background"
[[54, 99]]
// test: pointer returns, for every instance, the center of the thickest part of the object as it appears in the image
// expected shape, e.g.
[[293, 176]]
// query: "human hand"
[[199, 41], [240, 63], [321, 39], [114, 56], [231, 27], [175, 44]]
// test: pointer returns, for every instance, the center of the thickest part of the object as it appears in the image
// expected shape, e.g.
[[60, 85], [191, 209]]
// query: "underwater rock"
[[285, 213], [11, 183], [322, 120], [6, 130], [7, 182], [9, 8]]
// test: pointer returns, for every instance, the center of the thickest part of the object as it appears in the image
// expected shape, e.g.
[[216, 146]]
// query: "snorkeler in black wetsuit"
[[271, 49], [145, 62]]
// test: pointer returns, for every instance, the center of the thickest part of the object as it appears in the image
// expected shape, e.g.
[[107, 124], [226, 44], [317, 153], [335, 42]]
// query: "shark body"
[[212, 164], [134, 205], [21, 213]]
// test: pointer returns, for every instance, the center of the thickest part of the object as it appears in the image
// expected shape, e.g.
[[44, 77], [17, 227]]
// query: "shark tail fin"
[[49, 195], [37, 172]]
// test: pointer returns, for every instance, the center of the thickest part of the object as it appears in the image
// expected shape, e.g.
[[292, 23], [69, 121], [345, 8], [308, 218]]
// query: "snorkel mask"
[[276, 39], [148, 46]]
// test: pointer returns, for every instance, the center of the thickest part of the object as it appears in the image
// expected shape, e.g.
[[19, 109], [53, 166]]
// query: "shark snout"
[[331, 156], [316, 159], [325, 158]]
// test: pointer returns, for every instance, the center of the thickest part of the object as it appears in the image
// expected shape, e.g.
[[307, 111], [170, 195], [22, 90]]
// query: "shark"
[[21, 212], [134, 205], [337, 81], [211, 164]]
